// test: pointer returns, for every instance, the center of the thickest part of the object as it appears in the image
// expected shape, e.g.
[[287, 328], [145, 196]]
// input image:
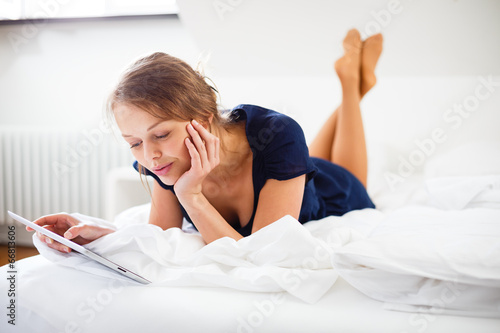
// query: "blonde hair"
[[169, 89]]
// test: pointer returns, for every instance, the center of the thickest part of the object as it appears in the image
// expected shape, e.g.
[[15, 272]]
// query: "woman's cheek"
[[135, 154], [138, 157]]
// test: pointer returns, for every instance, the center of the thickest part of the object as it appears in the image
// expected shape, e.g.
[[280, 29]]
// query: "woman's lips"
[[162, 170]]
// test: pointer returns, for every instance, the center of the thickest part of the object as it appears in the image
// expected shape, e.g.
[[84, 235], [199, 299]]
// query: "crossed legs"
[[342, 139]]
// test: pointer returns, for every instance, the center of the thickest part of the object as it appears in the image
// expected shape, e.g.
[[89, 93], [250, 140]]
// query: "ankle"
[[351, 89], [366, 85]]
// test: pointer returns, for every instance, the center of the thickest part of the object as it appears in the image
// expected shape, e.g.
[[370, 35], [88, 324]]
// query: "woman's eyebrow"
[[154, 125], [149, 129]]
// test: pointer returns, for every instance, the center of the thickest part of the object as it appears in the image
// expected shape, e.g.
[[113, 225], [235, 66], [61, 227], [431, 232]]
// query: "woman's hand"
[[70, 228], [203, 148]]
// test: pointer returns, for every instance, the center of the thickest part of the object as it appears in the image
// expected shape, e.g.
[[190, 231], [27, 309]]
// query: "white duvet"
[[434, 259], [417, 258]]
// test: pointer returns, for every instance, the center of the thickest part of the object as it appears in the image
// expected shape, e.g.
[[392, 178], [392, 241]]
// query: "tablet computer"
[[82, 250]]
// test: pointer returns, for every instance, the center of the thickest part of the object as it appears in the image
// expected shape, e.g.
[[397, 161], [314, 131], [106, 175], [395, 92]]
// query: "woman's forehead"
[[131, 119]]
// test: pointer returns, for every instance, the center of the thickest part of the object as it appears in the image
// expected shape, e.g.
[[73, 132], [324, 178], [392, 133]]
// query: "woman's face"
[[156, 144]]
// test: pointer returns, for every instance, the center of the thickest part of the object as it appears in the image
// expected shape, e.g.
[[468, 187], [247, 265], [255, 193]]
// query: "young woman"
[[233, 173]]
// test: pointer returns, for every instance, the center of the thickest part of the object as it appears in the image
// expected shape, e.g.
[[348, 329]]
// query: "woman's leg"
[[341, 139], [323, 142]]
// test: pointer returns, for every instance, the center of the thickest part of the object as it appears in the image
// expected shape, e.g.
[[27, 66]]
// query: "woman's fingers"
[[198, 142], [84, 233], [58, 221], [70, 228], [203, 148], [57, 246], [52, 243], [206, 143], [195, 156]]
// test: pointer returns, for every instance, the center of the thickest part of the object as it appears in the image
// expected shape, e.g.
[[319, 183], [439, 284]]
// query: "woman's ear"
[[206, 123]]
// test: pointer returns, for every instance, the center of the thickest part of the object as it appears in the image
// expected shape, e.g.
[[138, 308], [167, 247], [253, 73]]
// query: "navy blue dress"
[[280, 152]]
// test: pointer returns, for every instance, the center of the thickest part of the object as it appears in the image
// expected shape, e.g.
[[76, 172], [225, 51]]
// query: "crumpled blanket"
[[281, 257], [464, 192], [422, 259], [417, 258]]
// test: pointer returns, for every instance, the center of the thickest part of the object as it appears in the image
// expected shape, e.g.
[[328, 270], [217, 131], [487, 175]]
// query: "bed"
[[427, 259], [429, 265]]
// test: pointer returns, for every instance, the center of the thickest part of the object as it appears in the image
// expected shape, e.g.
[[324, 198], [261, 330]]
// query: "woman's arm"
[[203, 148], [207, 219], [277, 199], [165, 210]]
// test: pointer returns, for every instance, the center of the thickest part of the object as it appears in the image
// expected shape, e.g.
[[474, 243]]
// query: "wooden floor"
[[21, 253]]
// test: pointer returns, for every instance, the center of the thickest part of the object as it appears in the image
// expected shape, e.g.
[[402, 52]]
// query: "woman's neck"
[[234, 152]]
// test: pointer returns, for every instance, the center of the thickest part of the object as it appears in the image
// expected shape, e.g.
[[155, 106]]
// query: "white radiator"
[[44, 172]]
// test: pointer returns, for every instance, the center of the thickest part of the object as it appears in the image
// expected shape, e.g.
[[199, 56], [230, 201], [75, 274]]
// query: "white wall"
[[302, 37], [60, 73]]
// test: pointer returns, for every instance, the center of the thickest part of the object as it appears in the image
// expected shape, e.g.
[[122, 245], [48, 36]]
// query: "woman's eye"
[[161, 136], [135, 145]]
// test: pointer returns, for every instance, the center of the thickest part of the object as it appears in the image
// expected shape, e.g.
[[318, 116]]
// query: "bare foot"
[[348, 66], [370, 52]]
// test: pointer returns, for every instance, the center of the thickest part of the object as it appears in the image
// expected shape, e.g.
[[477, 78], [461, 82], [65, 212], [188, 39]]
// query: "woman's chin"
[[167, 180]]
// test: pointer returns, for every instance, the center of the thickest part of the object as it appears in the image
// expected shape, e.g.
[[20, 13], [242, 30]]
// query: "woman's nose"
[[151, 151]]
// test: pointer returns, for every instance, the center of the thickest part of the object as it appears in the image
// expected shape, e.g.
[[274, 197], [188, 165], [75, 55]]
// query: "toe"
[[374, 40], [352, 40]]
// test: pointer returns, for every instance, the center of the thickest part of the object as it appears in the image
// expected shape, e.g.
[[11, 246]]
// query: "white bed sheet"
[[424, 260], [98, 305]]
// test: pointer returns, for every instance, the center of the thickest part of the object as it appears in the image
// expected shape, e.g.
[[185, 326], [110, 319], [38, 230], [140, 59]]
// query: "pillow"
[[477, 158]]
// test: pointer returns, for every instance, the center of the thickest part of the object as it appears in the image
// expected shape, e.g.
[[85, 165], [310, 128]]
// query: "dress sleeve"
[[146, 172], [286, 155]]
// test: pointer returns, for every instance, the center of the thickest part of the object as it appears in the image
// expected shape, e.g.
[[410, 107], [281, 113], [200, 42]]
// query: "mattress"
[[418, 268], [99, 305]]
